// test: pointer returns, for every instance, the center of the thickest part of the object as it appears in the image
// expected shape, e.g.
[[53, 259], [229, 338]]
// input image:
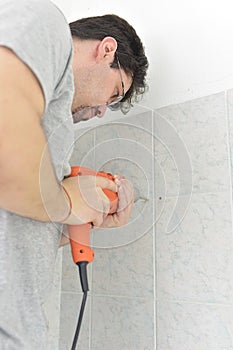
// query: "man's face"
[[96, 88]]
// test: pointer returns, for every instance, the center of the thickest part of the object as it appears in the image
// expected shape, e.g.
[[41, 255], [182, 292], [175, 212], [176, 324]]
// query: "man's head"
[[109, 64]]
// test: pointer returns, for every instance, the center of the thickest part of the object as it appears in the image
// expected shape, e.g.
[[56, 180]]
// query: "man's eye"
[[116, 94]]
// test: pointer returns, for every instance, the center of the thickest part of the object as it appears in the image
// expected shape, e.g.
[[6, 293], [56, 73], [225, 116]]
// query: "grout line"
[[229, 151], [158, 300], [72, 292], [91, 275], [180, 301], [90, 296], [196, 193], [91, 305], [154, 235], [99, 295], [90, 322], [60, 295]]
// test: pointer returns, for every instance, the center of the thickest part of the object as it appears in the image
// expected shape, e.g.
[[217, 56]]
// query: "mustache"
[[86, 113]]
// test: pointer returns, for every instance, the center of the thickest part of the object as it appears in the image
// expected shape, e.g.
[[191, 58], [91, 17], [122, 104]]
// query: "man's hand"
[[125, 203], [125, 193], [89, 203]]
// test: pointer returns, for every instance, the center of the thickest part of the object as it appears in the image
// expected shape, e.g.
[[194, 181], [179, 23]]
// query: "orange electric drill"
[[80, 234], [80, 239]]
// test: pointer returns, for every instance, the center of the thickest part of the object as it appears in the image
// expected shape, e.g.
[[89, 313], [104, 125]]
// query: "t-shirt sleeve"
[[38, 33]]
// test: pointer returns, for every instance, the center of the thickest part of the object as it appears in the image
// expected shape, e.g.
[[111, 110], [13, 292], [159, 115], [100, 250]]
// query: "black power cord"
[[84, 282], [79, 321]]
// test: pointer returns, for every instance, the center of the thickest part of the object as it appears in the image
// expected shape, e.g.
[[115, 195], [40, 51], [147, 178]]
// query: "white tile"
[[193, 133], [126, 270], [230, 101], [230, 120], [173, 163], [70, 308], [83, 153], [122, 323], [130, 138], [126, 148], [195, 261], [187, 326]]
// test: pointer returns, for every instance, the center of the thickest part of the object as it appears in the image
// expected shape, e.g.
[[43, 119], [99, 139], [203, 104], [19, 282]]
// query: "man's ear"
[[106, 49]]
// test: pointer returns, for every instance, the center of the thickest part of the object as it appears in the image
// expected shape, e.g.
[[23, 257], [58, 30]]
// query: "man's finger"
[[104, 182]]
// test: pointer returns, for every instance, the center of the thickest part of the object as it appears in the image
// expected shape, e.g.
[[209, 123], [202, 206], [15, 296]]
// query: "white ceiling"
[[189, 43]]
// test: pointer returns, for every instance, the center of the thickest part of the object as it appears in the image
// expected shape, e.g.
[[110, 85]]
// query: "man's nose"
[[101, 111]]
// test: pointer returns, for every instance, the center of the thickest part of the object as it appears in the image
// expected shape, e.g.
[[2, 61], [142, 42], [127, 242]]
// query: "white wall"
[[189, 43]]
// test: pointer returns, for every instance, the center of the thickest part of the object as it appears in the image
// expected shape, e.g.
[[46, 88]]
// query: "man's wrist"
[[70, 205]]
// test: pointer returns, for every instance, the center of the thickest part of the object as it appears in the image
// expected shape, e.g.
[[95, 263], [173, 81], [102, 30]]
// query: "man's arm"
[[22, 145]]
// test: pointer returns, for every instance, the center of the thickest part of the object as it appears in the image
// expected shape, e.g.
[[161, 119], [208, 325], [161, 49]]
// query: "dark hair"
[[130, 50]]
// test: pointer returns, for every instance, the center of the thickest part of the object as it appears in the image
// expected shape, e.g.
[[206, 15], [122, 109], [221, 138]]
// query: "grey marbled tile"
[[131, 138], [230, 97], [70, 307], [126, 270], [230, 108], [191, 141], [70, 273], [230, 120], [84, 150], [126, 148], [122, 324], [173, 164], [187, 326], [138, 128], [195, 261]]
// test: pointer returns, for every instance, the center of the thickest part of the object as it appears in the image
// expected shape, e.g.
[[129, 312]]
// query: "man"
[[49, 73]]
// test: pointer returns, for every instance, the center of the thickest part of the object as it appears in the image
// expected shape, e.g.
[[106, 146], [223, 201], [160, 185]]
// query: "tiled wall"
[[194, 261], [172, 290]]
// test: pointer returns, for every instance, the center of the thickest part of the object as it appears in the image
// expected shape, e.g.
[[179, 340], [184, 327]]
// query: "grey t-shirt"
[[39, 35]]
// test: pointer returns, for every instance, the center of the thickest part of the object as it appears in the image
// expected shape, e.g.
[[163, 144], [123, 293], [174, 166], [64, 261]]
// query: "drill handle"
[[80, 242]]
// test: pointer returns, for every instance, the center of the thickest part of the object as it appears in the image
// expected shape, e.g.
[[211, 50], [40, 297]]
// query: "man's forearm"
[[34, 194]]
